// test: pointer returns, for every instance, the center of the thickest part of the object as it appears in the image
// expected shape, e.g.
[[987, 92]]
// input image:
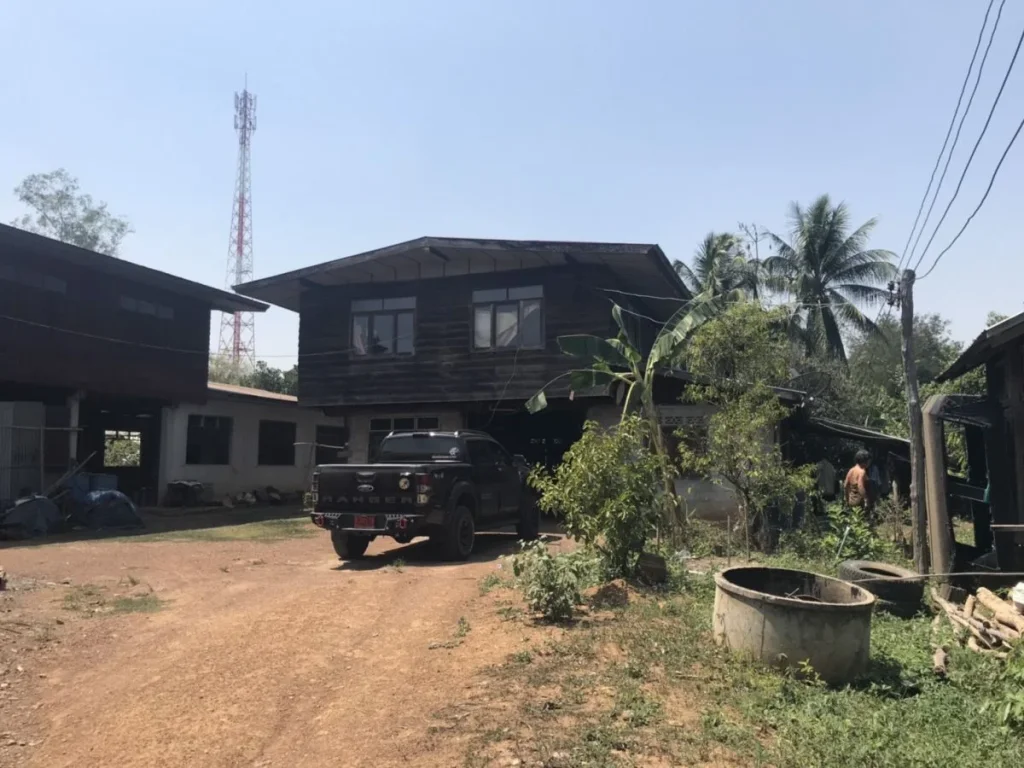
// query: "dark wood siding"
[[444, 367], [89, 311]]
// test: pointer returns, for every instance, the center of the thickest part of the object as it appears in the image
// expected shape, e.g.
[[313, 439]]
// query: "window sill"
[[506, 350], [373, 358]]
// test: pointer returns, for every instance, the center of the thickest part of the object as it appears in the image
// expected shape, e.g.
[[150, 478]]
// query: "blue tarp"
[[30, 517]]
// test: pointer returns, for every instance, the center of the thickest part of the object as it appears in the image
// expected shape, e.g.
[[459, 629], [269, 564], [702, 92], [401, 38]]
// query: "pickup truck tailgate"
[[367, 488]]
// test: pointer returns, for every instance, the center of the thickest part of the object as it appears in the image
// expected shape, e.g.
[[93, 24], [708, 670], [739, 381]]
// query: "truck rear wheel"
[[459, 535], [349, 547]]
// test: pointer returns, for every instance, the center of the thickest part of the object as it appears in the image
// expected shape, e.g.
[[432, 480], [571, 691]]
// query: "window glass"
[[482, 327], [526, 292], [276, 444], [404, 334], [481, 453], [208, 440], [408, 302], [530, 332], [383, 334], [366, 305], [506, 325], [380, 424], [498, 294], [360, 334], [408, 424], [428, 422]]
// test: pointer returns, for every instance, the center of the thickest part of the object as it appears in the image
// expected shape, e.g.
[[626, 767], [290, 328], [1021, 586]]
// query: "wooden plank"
[[1001, 481], [444, 367]]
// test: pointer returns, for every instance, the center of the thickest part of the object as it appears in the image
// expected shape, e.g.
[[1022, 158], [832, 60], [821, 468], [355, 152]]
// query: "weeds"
[[490, 582], [552, 584], [461, 630], [624, 687]]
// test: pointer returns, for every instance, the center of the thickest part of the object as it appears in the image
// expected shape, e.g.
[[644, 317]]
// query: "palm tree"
[[720, 271], [828, 270]]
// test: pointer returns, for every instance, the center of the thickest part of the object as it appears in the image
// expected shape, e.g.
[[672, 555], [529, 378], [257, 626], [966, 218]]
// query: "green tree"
[[272, 379], [720, 271], [828, 270], [607, 491], [263, 376], [60, 211], [739, 356]]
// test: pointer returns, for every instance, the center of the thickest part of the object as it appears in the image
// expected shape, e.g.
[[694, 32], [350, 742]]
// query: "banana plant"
[[618, 363]]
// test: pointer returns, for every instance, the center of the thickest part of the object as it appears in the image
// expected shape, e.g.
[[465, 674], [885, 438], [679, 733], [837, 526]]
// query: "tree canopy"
[[59, 210]]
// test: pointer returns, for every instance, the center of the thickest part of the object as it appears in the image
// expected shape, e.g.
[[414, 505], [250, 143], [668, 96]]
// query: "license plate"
[[364, 521]]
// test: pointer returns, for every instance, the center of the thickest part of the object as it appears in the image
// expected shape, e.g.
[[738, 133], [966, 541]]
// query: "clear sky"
[[565, 119]]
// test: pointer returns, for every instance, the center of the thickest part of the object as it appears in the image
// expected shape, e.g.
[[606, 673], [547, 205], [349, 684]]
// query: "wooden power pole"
[[918, 511]]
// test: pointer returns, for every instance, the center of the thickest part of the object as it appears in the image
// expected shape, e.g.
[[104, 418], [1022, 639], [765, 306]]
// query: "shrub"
[[551, 584], [609, 489], [846, 526]]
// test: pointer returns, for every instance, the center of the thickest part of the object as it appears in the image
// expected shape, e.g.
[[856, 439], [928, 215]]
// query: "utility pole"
[[918, 512]]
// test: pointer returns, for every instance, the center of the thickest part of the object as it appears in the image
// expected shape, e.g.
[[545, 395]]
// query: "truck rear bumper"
[[397, 525]]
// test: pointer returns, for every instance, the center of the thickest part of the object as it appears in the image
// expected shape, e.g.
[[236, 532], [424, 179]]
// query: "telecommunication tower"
[[238, 329]]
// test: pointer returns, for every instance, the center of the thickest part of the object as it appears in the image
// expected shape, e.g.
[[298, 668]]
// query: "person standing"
[[857, 490]]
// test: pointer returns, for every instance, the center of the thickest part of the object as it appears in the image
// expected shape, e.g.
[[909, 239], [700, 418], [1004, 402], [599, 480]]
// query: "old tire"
[[528, 526], [459, 535], [349, 547], [898, 590]]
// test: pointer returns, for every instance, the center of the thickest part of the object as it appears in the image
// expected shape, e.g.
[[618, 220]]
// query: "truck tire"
[[897, 590], [458, 536], [528, 526], [349, 547]]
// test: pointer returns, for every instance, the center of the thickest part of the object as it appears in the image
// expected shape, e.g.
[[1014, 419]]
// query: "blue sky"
[[617, 121]]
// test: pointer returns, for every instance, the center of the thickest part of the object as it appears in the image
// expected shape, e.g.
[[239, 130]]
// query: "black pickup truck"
[[445, 485]]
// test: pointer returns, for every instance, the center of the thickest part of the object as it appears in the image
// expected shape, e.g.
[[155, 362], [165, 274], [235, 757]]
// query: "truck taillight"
[[315, 485], [424, 485]]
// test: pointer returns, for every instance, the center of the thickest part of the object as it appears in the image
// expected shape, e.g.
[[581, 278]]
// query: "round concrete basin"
[[784, 617]]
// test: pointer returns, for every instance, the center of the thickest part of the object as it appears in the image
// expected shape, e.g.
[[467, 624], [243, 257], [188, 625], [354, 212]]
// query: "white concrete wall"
[[359, 426], [242, 473], [705, 499]]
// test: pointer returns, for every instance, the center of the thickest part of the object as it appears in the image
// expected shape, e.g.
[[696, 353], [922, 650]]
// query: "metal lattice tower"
[[238, 329]]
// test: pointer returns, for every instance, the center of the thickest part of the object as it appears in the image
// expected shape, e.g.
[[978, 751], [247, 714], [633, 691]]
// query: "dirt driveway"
[[239, 652]]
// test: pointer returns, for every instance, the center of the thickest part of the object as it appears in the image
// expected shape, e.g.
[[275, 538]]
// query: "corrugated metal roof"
[[218, 299], [989, 342], [262, 394], [642, 267]]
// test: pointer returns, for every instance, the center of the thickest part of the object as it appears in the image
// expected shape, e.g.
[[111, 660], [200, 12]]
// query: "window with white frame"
[[509, 318], [384, 326]]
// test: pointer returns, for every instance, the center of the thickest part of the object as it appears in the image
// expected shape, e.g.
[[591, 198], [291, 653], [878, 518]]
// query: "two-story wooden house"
[[91, 347], [451, 333]]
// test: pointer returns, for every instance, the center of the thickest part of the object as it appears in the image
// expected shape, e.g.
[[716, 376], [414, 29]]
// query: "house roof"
[[12, 237], [643, 268], [260, 394], [989, 343]]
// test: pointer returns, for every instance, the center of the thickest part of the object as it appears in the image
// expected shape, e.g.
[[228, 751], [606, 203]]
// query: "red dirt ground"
[[264, 654]]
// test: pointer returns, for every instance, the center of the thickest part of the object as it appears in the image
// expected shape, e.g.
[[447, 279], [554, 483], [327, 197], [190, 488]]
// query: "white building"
[[244, 439]]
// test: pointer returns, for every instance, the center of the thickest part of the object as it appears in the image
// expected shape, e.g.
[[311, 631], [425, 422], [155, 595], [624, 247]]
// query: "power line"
[[981, 203], [963, 117], [949, 131], [984, 129]]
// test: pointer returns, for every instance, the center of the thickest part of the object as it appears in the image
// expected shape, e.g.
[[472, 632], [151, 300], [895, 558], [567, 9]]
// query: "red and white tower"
[[238, 329]]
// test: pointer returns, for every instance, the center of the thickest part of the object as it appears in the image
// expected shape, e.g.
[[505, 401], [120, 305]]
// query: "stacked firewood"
[[984, 623]]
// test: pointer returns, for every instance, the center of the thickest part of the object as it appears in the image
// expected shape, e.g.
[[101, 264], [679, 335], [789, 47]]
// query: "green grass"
[[667, 690], [266, 530], [89, 600], [141, 604]]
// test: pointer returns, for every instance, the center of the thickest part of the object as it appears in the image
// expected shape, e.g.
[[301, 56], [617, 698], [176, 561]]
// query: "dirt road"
[[264, 653]]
